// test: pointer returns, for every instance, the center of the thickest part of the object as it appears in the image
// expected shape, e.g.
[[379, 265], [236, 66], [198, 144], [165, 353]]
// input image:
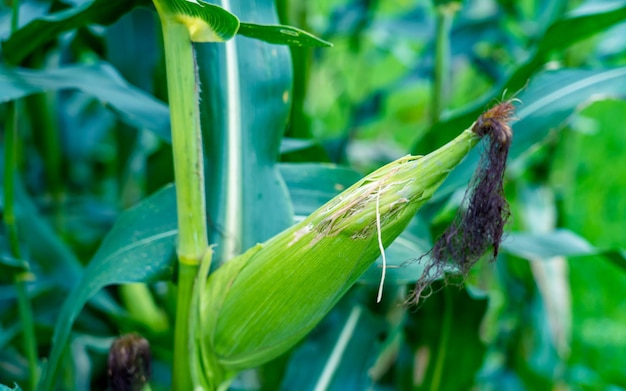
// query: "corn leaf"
[[206, 22], [244, 117], [139, 248], [339, 353], [282, 35], [571, 28], [45, 29], [311, 185], [133, 106], [549, 100]]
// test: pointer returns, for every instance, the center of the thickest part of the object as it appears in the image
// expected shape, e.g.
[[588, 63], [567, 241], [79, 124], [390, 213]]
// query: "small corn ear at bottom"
[[261, 303]]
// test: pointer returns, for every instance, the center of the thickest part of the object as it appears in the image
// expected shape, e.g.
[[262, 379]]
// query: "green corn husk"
[[261, 303]]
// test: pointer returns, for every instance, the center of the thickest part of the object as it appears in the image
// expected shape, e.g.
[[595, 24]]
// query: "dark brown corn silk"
[[479, 223], [129, 364]]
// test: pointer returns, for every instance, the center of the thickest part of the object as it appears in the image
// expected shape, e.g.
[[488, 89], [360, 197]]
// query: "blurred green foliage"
[[93, 141]]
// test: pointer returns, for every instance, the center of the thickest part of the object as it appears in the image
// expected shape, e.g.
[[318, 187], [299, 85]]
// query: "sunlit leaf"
[[206, 22], [282, 35], [538, 211], [549, 100], [573, 27]]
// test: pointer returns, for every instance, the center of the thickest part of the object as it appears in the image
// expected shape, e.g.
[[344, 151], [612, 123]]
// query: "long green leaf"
[[42, 30], [311, 185], [133, 106], [47, 251], [139, 248], [573, 27], [550, 99], [244, 116], [339, 353], [558, 243]]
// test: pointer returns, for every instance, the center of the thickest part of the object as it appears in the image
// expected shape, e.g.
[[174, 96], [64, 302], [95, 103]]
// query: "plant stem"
[[10, 163], [15, 16], [139, 302], [443, 341], [189, 174], [43, 120], [181, 379], [445, 13], [186, 142], [10, 166], [23, 301], [28, 326]]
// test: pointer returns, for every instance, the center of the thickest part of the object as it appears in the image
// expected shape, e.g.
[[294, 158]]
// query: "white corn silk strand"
[[381, 247]]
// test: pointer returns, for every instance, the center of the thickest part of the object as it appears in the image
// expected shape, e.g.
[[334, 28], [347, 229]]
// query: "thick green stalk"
[[189, 174], [186, 142], [181, 379]]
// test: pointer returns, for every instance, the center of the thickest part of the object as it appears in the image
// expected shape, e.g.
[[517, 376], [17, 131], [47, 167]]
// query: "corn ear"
[[261, 303]]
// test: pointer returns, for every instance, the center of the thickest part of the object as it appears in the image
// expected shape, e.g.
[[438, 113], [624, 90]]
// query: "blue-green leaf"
[[244, 116], [543, 246], [5, 388], [338, 354], [311, 185], [42, 30], [558, 243], [550, 99], [573, 27], [139, 248], [133, 106]]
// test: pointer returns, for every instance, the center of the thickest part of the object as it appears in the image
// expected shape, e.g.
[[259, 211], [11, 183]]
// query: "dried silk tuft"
[[479, 223]]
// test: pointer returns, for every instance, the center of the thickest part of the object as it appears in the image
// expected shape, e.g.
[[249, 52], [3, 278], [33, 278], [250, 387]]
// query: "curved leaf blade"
[[281, 35], [139, 248], [206, 22], [42, 30], [338, 355], [101, 80], [558, 243], [550, 99], [575, 26]]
